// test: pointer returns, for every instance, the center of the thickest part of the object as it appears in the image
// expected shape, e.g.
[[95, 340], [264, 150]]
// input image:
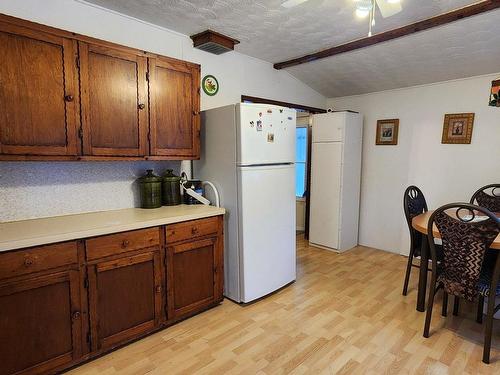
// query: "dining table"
[[420, 224]]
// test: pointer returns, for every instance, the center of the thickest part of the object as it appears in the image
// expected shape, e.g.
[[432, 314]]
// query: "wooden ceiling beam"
[[440, 20]]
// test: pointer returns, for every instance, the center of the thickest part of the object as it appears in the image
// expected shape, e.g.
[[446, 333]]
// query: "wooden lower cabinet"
[[40, 321], [125, 296], [194, 268], [63, 304]]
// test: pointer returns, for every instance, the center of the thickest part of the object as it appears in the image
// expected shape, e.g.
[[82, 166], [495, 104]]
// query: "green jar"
[[171, 189], [150, 190]]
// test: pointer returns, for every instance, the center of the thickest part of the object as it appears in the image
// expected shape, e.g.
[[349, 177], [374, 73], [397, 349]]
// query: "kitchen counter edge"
[[17, 233]]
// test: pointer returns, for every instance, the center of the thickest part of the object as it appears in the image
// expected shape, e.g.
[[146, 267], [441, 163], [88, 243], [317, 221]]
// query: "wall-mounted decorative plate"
[[210, 85]]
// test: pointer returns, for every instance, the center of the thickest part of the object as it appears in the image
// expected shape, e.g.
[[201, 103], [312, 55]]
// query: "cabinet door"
[[39, 105], [175, 105], [40, 323], [114, 101], [125, 298], [194, 276]]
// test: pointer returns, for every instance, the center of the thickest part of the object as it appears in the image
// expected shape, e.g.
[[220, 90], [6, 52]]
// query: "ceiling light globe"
[[393, 1]]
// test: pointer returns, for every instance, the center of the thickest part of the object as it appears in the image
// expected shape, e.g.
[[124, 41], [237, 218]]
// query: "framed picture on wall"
[[387, 132], [457, 128]]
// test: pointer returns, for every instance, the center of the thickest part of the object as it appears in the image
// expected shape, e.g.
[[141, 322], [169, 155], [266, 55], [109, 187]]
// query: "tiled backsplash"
[[39, 189]]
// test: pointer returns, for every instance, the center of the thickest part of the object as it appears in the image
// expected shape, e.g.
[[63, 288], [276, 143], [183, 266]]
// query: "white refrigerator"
[[248, 152], [335, 180]]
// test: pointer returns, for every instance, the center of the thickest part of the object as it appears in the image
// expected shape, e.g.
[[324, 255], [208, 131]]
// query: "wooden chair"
[[467, 231], [414, 204], [488, 197]]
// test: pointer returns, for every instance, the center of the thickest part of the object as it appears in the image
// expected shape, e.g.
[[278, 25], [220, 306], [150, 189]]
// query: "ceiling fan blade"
[[292, 3], [388, 9]]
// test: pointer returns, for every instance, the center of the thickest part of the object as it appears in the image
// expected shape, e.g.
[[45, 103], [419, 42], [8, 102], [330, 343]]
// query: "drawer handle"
[[28, 262], [158, 289], [125, 243], [194, 230], [76, 315]]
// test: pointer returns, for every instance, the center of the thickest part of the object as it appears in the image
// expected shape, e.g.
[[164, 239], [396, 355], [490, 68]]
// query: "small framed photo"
[[457, 128], [387, 132]]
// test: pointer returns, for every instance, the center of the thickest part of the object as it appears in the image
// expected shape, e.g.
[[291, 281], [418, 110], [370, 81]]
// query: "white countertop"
[[26, 233]]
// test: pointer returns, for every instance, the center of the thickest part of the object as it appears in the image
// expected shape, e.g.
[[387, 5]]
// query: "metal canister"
[[171, 189], [150, 190]]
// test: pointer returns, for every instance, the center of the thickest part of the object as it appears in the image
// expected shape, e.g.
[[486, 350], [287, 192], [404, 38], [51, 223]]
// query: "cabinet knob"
[[28, 262], [76, 315], [158, 289], [69, 98], [125, 243], [142, 106], [194, 230]]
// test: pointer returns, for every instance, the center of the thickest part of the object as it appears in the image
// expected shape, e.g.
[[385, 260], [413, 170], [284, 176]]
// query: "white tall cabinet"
[[335, 180]]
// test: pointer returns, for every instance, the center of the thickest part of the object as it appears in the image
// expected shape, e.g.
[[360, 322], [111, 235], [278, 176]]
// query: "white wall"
[[29, 190], [444, 172]]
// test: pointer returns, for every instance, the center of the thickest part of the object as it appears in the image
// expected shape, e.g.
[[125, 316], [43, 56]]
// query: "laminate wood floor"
[[344, 315]]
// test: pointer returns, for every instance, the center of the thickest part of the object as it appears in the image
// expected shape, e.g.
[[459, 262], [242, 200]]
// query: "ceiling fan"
[[364, 8]]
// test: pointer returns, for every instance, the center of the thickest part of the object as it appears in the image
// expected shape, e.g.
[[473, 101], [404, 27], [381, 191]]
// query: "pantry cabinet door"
[[175, 105], [114, 101], [39, 101]]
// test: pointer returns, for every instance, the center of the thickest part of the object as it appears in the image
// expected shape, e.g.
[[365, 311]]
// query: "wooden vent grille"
[[212, 42]]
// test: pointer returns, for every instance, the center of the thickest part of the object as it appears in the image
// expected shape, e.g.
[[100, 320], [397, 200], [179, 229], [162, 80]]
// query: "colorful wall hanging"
[[495, 93]]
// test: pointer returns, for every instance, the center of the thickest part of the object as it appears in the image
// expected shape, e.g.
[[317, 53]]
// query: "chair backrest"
[[488, 197], [467, 231], [414, 204]]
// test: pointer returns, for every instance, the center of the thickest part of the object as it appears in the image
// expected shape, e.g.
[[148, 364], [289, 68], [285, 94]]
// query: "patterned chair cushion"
[[483, 285], [464, 247], [489, 202]]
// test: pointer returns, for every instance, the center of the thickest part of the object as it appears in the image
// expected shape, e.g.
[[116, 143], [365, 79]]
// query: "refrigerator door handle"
[[264, 164]]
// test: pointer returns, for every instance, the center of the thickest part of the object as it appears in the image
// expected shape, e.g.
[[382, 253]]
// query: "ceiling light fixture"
[[387, 8]]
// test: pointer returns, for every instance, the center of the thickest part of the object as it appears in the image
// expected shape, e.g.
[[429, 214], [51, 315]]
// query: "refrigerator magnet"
[[270, 137], [259, 126]]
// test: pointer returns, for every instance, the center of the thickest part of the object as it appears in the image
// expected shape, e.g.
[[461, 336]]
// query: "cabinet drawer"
[[37, 259], [115, 244], [191, 229]]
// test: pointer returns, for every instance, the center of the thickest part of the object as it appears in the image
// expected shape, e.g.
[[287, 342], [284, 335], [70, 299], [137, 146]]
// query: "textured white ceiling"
[[273, 33], [462, 49]]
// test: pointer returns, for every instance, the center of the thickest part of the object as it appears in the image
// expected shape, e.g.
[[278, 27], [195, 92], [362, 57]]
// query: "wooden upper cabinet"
[[39, 105], [175, 104], [65, 96], [114, 101]]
